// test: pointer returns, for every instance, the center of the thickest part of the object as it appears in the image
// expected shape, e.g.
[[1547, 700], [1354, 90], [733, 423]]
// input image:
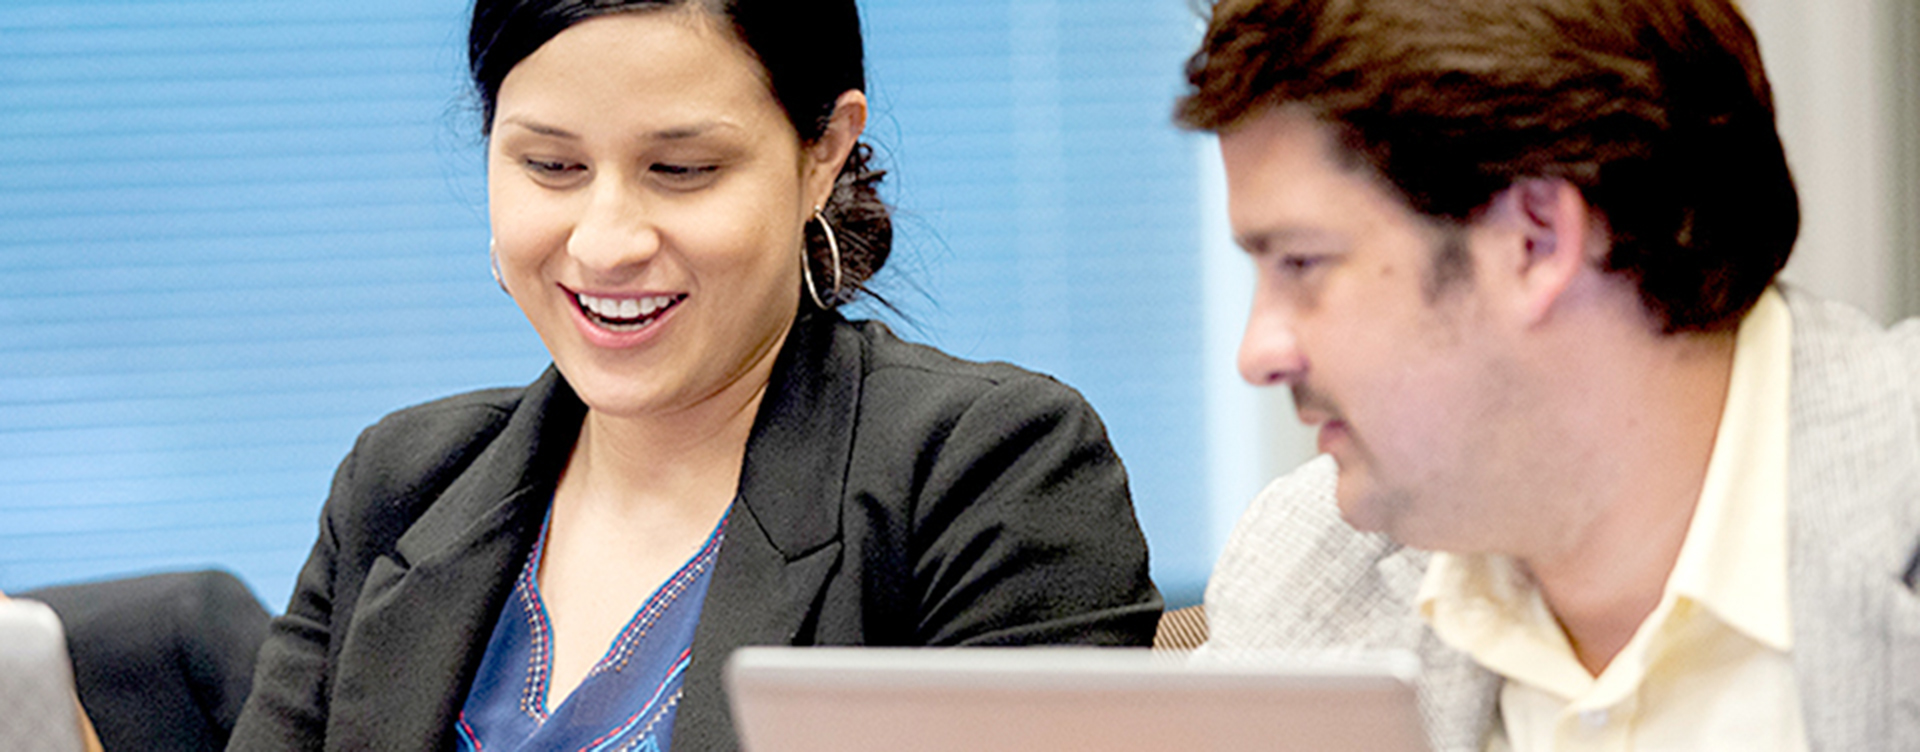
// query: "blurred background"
[[234, 233]]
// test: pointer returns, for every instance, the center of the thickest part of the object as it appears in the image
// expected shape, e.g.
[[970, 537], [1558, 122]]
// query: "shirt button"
[[1594, 720]]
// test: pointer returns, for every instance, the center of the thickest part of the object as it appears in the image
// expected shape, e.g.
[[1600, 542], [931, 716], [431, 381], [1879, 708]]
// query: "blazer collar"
[[797, 456], [526, 457], [1854, 475], [1459, 699], [424, 615], [783, 537]]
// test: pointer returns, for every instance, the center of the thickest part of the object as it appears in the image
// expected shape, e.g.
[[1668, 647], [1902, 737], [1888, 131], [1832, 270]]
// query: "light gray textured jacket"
[[1294, 576]]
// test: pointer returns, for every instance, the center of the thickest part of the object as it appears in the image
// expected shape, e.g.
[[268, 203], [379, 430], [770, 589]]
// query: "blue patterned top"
[[627, 701]]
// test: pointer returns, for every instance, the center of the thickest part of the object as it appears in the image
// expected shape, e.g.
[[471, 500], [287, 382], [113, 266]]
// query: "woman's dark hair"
[[1657, 110], [812, 53]]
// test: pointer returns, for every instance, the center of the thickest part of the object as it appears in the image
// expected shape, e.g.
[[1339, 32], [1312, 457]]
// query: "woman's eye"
[[684, 174], [552, 169]]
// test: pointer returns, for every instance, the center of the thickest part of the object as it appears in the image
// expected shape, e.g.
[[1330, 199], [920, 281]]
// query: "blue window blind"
[[234, 233], [1051, 214]]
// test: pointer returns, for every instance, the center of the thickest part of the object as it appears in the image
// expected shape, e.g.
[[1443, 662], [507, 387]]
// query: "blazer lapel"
[[1458, 698], [1854, 514], [783, 535], [424, 615]]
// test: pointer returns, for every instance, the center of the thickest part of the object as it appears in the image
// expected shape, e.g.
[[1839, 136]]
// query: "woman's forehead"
[[656, 72]]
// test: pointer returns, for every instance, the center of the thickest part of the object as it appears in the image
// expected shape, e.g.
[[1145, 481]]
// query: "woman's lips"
[[625, 315], [623, 321]]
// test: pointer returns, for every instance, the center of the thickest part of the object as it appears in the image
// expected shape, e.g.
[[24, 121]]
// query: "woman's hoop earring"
[[806, 267], [493, 260]]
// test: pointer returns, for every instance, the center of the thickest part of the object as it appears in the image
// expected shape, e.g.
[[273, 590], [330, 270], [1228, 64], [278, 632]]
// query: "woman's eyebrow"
[[539, 128], [695, 130], [675, 133]]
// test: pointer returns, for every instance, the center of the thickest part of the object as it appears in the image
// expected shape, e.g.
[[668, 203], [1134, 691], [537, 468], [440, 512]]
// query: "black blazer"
[[891, 495]]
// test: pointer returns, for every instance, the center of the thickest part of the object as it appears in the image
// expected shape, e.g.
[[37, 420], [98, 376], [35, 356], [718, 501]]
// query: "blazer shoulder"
[[440, 432], [986, 490], [920, 370], [1841, 342], [1293, 574], [409, 454], [932, 405]]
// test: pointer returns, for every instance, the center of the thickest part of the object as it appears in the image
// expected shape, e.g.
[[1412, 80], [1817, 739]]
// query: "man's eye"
[[1297, 265]]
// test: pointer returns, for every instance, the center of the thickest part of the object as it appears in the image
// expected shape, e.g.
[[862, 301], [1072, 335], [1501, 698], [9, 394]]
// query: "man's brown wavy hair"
[[1658, 111]]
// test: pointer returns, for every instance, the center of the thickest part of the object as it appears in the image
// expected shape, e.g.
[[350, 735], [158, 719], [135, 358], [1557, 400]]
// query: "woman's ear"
[[829, 153]]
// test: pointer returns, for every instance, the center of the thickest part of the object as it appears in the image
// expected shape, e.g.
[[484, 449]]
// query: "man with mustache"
[[1613, 484]]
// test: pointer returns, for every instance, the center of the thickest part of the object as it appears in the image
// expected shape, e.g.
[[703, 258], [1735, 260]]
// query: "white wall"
[[1842, 73]]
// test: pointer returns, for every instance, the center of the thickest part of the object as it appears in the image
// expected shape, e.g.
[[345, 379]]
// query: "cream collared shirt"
[[1710, 668]]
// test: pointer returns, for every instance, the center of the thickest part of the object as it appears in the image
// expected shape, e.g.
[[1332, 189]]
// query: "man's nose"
[[1270, 349]]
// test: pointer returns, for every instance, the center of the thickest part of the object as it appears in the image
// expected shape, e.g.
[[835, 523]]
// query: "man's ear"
[[1555, 227], [829, 153]]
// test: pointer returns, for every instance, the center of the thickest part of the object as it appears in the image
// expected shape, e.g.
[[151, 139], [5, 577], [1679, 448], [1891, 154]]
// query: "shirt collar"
[[1734, 561]]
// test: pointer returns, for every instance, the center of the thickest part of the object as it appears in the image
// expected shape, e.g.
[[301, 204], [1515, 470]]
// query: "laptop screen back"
[[1035, 699], [37, 710]]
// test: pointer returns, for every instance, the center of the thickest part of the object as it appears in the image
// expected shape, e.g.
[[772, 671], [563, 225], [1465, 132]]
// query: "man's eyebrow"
[[1258, 242]]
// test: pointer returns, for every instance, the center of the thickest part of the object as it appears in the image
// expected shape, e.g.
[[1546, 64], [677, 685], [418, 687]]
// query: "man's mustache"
[[1308, 401]]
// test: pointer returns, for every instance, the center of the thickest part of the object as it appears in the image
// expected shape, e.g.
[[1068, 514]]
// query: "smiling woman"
[[717, 458], [637, 161]]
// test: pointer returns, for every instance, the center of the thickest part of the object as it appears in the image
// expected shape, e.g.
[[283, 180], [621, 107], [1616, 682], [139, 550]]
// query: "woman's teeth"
[[625, 314]]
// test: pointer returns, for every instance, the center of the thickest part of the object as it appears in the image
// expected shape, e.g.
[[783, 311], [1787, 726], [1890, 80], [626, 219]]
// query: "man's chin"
[[1358, 507], [1369, 509], [1362, 518]]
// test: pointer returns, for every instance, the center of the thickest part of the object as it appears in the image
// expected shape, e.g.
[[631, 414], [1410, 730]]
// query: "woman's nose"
[[617, 229]]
